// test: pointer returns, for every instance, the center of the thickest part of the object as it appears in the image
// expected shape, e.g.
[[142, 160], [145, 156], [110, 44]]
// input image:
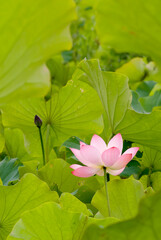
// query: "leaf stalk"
[[42, 145], [106, 176]]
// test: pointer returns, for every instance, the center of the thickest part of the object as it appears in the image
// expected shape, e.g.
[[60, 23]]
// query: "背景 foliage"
[[55, 62], [9, 170], [132, 29], [29, 36]]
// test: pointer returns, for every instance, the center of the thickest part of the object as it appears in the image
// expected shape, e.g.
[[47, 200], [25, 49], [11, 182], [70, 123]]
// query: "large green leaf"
[[113, 90], [49, 221], [129, 25], [124, 196], [144, 129], [75, 110], [57, 172], [59, 223], [29, 193], [146, 225], [31, 33]]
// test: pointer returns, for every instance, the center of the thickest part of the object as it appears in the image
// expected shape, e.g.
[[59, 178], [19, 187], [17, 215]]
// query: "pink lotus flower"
[[98, 156]]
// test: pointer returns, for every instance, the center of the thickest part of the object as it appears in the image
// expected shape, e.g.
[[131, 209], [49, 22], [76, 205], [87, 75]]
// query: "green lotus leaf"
[[130, 26], [114, 93], [74, 111], [124, 196], [112, 89], [151, 162], [57, 173], [31, 33], [146, 88], [153, 180], [9, 170], [27, 194], [15, 144], [151, 159], [29, 167], [134, 69], [143, 101], [136, 105], [72, 142], [72, 204], [148, 103], [49, 221], [89, 187], [60, 72], [144, 129], [146, 225], [57, 222]]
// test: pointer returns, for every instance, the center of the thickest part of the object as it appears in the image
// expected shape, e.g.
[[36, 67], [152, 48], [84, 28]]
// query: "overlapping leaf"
[[57, 173], [31, 33], [9, 170], [29, 193], [57, 223], [72, 204], [144, 129], [124, 196], [146, 225], [15, 144], [113, 90], [151, 159], [75, 110]]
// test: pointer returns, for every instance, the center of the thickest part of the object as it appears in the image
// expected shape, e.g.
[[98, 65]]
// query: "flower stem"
[[42, 145], [107, 197], [47, 143], [108, 177], [149, 177]]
